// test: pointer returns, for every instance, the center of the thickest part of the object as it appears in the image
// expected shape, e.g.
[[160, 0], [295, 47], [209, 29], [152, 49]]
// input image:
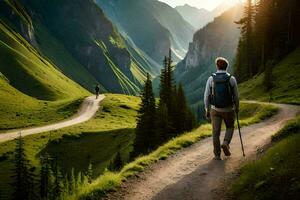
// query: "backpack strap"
[[213, 75], [212, 88], [230, 87]]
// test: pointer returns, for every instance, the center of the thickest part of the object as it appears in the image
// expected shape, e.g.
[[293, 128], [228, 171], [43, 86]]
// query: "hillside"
[[218, 38], [276, 174], [85, 46], [151, 26], [196, 17], [96, 141], [285, 80], [33, 90]]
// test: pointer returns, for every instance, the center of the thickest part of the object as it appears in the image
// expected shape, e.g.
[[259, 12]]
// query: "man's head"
[[221, 63]]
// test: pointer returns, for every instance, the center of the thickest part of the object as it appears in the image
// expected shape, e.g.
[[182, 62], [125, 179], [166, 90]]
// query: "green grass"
[[286, 81], [128, 87], [33, 91], [98, 140], [251, 113], [57, 53], [277, 174], [293, 126], [29, 72]]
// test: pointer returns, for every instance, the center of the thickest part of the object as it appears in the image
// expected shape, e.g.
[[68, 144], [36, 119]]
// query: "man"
[[221, 100], [97, 90]]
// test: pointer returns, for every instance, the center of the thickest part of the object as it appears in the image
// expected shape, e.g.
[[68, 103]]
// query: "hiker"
[[221, 102], [97, 90]]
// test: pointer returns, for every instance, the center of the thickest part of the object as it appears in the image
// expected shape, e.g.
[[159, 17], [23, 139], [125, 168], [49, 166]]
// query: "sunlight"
[[207, 4]]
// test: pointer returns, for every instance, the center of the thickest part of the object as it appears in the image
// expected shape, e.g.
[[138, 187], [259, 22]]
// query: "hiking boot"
[[225, 148], [217, 158]]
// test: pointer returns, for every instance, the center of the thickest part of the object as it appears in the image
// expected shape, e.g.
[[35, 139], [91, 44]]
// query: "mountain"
[[196, 17], [151, 26], [218, 38], [77, 37], [33, 89]]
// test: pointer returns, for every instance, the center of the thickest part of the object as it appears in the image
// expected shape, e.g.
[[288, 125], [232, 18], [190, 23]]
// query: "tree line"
[[159, 122], [48, 183], [269, 31]]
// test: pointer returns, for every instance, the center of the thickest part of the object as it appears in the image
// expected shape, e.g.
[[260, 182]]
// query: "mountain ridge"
[[161, 32], [193, 71], [195, 16]]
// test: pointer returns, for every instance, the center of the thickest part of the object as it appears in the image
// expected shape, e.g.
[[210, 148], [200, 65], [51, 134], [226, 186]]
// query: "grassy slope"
[[97, 140], [277, 174], [286, 76], [59, 55], [251, 113], [26, 76]]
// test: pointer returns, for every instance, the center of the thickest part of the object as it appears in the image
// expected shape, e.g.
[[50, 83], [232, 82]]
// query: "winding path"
[[191, 174], [86, 111]]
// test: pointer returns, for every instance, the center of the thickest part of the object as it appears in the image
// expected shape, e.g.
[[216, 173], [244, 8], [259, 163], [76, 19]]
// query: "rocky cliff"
[[218, 38]]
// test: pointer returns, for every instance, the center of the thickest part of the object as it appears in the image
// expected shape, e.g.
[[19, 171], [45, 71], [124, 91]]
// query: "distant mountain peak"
[[188, 6], [195, 16]]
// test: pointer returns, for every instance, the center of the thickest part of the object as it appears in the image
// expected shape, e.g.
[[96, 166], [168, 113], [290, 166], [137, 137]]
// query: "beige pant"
[[216, 120]]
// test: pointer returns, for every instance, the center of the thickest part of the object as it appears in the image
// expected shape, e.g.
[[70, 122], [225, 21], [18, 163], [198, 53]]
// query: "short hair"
[[221, 63]]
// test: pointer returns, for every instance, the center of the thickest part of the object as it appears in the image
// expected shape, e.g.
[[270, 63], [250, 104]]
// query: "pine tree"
[[246, 44], [116, 163], [23, 178], [275, 23], [79, 180], [268, 77], [58, 187], [67, 185], [90, 173], [185, 119], [145, 139], [163, 124], [167, 100], [46, 177], [72, 182]]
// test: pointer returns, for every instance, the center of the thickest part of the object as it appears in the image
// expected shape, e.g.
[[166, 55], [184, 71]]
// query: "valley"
[[146, 135]]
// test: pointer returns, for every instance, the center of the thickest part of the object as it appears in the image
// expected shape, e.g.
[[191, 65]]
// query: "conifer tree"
[[46, 177], [117, 163], [67, 185], [79, 180], [72, 182], [167, 100], [246, 42], [58, 187], [163, 124], [268, 82], [275, 23], [185, 119], [145, 139], [23, 178], [90, 173]]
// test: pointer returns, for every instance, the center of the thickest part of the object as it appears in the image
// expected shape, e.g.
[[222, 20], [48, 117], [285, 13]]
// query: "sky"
[[207, 4]]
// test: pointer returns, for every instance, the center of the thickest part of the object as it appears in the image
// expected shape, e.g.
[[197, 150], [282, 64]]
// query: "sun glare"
[[207, 4]]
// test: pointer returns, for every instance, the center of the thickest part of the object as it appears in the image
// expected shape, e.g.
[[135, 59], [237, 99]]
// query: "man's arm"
[[207, 94], [236, 98]]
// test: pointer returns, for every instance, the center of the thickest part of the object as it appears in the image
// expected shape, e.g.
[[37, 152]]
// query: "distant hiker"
[[97, 90], [221, 100]]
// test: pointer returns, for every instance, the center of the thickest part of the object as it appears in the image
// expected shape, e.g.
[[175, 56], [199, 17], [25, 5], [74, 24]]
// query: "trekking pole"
[[237, 119]]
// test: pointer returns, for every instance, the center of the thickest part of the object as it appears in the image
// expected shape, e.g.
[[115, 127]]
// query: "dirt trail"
[[86, 111], [191, 174]]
